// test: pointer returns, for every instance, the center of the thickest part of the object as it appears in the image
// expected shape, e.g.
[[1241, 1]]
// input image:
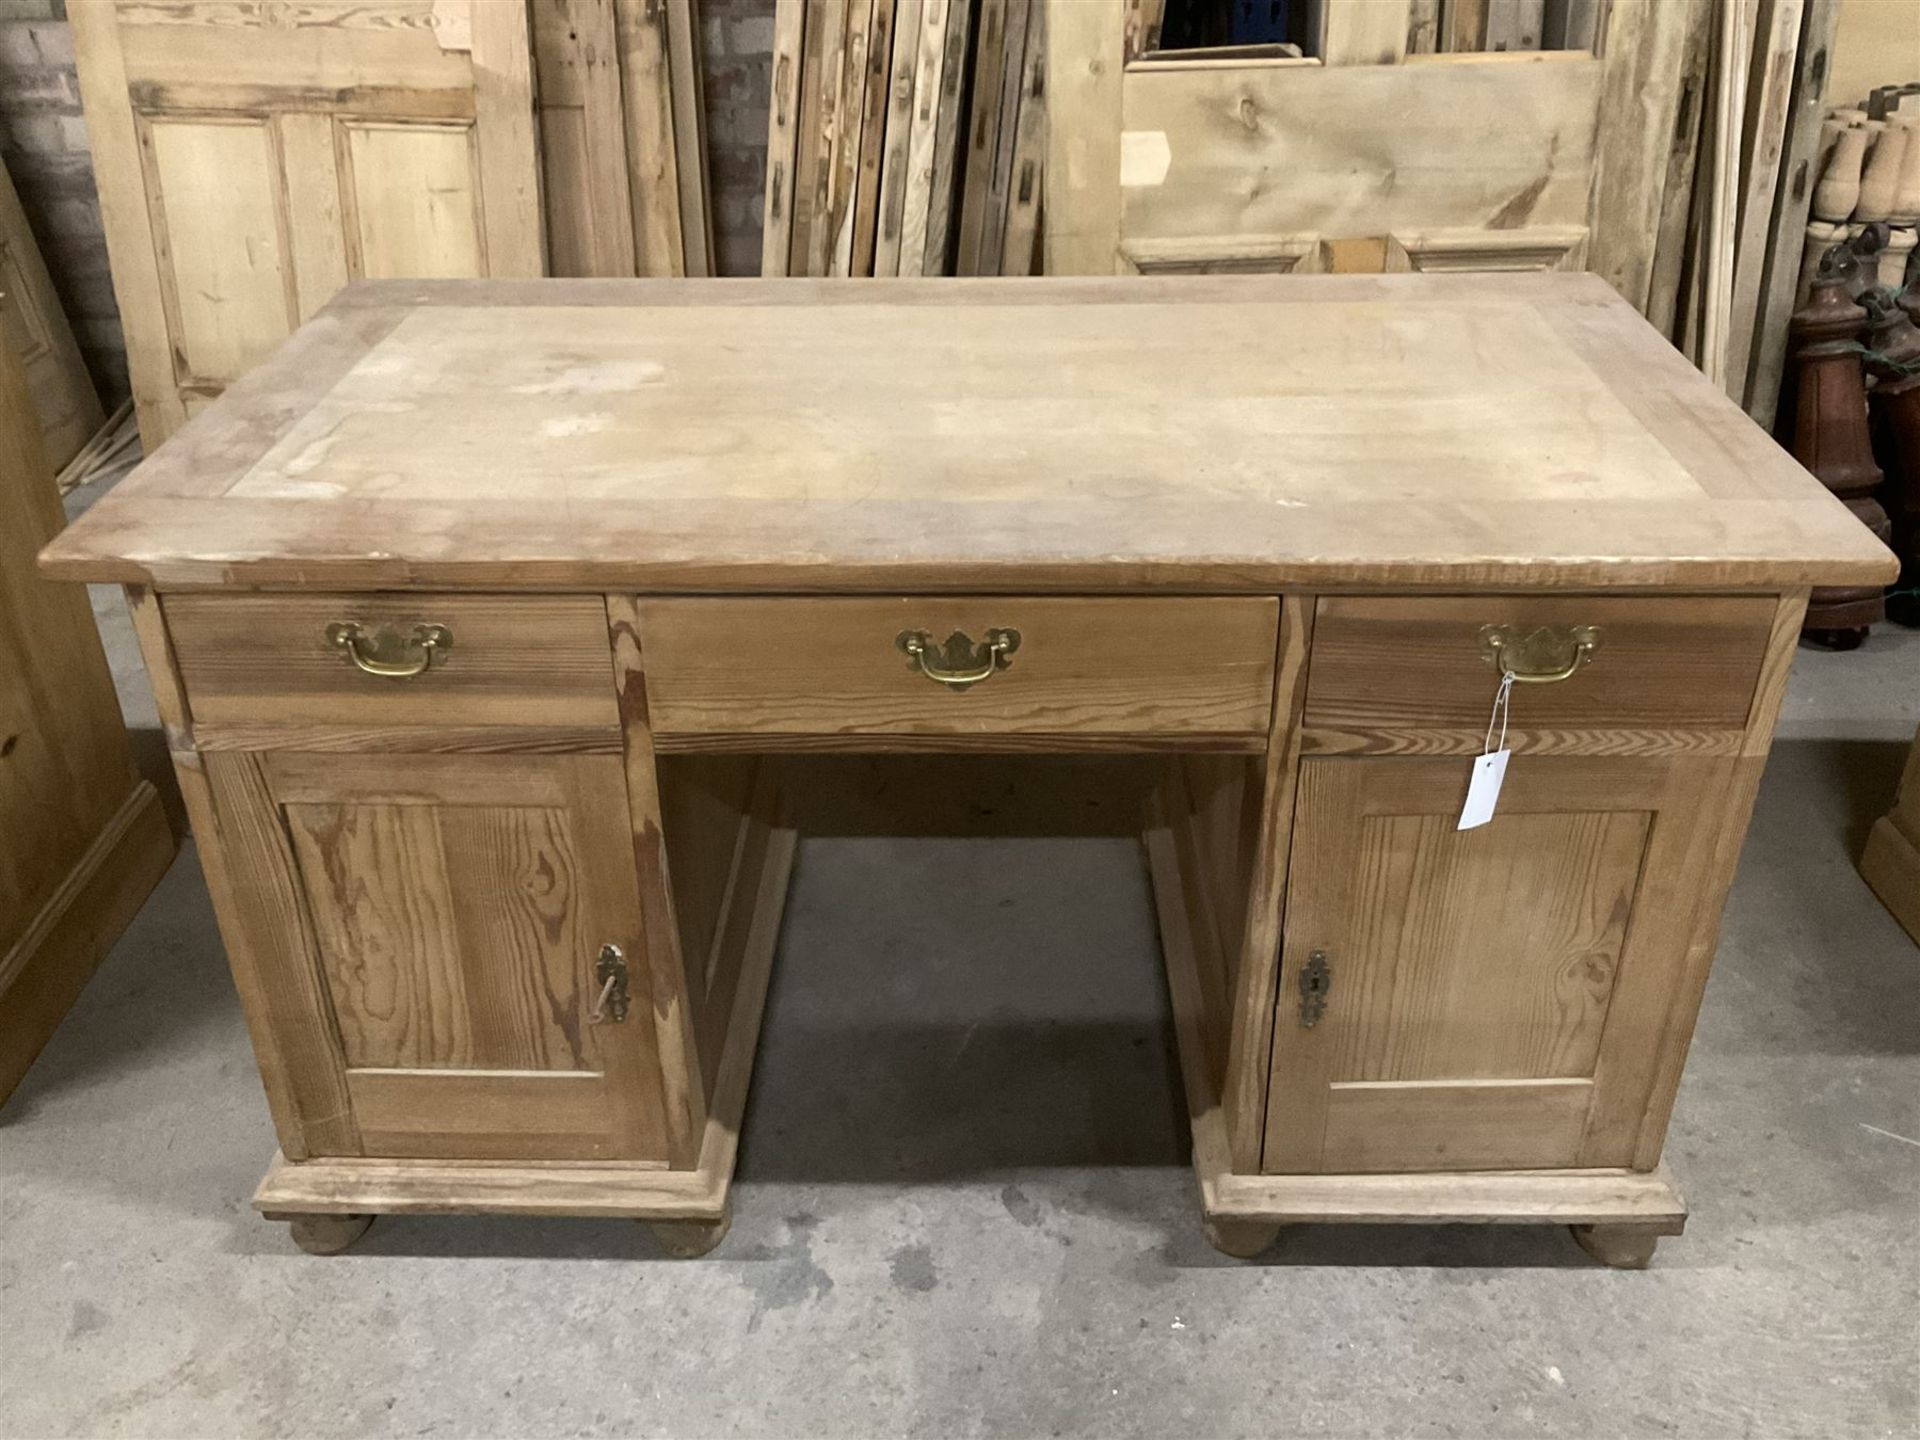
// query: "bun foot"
[[1242, 1239], [1623, 1247], [1850, 637], [690, 1239], [325, 1234]]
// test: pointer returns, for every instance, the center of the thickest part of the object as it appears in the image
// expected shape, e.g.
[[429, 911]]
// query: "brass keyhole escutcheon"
[[1316, 983]]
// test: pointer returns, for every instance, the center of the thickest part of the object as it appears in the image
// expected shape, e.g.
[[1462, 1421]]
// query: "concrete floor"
[[963, 1206]]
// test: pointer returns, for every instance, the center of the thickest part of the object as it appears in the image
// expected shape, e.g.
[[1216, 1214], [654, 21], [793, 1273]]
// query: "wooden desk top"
[[1220, 433]]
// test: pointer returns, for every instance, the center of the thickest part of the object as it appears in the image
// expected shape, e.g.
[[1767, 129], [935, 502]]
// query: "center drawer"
[[960, 666]]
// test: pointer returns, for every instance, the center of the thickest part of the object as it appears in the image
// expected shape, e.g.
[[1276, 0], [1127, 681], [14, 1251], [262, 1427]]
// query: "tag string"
[[1502, 706]]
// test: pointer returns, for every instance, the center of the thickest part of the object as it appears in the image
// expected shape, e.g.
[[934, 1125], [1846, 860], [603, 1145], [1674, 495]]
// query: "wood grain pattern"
[[458, 886], [1019, 254], [982, 138], [1646, 1100], [44, 966], [949, 133], [1583, 1196], [1648, 84], [427, 927], [1776, 46], [270, 949], [783, 136], [1244, 1092], [1365, 34], [1357, 150], [653, 163], [831, 667], [1532, 740], [686, 78], [32, 321], [1444, 989], [265, 659], [1484, 1125], [948, 422], [928, 95], [81, 839], [1662, 663], [1085, 52], [685, 1098], [583, 139], [1800, 167], [909, 31], [637, 1189]]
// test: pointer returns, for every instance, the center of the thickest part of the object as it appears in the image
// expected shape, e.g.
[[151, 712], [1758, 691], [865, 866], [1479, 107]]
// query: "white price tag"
[[1489, 767], [1483, 791]]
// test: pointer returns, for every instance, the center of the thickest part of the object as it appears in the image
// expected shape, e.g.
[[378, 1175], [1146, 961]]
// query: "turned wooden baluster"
[[1894, 363], [1831, 439]]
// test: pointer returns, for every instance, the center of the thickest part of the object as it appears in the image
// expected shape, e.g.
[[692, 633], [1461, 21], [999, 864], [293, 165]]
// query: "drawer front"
[[1081, 667], [509, 660], [1386, 665]]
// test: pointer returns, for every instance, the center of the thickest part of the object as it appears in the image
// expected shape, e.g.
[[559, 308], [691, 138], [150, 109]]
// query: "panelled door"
[[1488, 999], [430, 935], [253, 158], [1381, 141]]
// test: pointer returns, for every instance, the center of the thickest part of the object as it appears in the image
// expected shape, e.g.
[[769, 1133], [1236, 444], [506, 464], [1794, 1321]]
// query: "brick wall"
[[43, 142], [738, 36]]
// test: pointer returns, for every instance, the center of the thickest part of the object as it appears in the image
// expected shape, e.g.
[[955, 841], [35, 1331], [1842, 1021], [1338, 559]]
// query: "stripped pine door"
[[1361, 156], [426, 934], [32, 322], [1493, 999], [254, 158]]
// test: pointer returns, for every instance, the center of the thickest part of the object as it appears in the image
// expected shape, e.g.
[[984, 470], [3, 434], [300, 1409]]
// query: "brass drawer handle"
[[388, 653], [960, 662], [1539, 657]]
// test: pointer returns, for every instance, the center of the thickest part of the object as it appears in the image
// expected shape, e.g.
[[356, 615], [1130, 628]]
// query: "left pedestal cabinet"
[[433, 826]]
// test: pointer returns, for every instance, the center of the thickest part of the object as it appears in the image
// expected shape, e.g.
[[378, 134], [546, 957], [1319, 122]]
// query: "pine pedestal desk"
[[486, 617]]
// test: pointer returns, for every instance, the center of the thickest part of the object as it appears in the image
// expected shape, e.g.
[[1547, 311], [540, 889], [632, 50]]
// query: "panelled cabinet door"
[[426, 933], [252, 159], [1489, 999]]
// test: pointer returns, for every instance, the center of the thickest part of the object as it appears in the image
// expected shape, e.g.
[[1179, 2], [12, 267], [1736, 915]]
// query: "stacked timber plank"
[[623, 143], [905, 137], [1737, 257]]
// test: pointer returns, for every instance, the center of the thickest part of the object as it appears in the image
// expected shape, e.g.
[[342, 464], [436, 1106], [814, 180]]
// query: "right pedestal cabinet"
[[1484, 1023]]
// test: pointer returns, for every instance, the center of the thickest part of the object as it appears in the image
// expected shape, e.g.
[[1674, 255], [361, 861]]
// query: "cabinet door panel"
[[1486, 987], [452, 909]]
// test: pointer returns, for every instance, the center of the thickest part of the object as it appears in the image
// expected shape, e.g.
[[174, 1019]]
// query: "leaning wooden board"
[[82, 837], [505, 550], [32, 322]]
